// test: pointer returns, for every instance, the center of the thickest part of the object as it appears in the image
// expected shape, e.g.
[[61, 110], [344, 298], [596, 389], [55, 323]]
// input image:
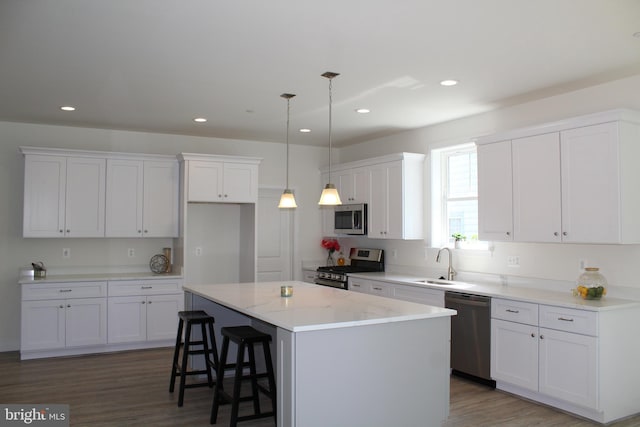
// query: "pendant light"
[[330, 196], [287, 200]]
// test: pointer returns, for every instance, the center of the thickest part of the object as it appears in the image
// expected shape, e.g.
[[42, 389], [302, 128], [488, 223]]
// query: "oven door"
[[332, 283]]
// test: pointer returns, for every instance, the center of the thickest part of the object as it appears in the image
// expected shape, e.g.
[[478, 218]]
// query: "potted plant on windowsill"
[[458, 238]]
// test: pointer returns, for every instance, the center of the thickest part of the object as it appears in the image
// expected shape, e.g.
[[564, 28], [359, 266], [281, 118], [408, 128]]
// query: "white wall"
[[16, 252], [547, 261]]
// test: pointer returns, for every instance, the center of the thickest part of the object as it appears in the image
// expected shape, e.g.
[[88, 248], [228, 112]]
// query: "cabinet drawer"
[[570, 320], [144, 287], [380, 288], [45, 291], [433, 297], [514, 311]]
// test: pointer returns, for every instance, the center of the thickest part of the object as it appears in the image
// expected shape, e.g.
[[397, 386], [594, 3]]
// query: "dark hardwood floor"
[[132, 389]]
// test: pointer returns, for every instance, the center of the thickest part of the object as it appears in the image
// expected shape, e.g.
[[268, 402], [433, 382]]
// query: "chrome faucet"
[[451, 273]]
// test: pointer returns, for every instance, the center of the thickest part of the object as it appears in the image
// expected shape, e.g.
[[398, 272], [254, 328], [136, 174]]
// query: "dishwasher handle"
[[469, 300]]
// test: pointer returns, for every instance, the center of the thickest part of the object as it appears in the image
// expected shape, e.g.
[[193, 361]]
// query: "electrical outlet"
[[394, 253], [198, 251], [131, 252], [66, 253], [582, 264], [513, 261]]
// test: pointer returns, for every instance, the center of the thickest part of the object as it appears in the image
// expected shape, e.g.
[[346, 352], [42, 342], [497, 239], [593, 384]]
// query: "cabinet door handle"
[[68, 231], [61, 306], [68, 305], [220, 196], [377, 289], [555, 233], [62, 231], [564, 233], [149, 302], [147, 287], [142, 302], [564, 319], [541, 337], [146, 231], [508, 233], [533, 335], [66, 290], [139, 231], [508, 310]]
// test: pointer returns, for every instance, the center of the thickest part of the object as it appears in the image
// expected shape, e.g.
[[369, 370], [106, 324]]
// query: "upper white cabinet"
[[393, 188], [572, 181], [64, 194], [142, 198], [354, 185], [396, 208], [495, 203], [221, 178]]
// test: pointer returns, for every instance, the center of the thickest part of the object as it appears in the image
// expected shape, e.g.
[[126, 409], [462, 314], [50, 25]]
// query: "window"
[[455, 195]]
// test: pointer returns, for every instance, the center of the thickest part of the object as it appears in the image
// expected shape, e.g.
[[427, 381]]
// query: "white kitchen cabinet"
[[354, 185], [495, 203], [142, 198], [64, 315], [215, 179], [309, 276], [574, 359], [536, 188], [572, 181], [357, 284], [396, 204], [64, 196], [143, 310]]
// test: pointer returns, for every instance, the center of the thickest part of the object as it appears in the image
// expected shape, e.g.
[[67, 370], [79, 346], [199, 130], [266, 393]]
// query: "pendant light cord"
[[288, 100], [330, 104]]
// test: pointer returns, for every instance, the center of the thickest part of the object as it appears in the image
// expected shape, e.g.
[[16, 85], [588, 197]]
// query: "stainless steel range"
[[361, 260]]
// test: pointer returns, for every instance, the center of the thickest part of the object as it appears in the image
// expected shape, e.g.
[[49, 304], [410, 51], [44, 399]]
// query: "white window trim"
[[439, 197]]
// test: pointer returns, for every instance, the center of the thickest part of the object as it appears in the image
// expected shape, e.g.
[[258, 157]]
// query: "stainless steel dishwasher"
[[470, 336]]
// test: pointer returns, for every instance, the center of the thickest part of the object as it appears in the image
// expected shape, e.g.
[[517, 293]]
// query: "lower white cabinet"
[[58, 316], [410, 293], [573, 359], [309, 276], [144, 310], [60, 319]]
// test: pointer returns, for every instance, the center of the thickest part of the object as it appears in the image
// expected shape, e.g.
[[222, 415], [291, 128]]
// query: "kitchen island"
[[345, 358]]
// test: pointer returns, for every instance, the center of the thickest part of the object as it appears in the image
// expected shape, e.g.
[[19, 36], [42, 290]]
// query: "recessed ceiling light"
[[68, 108], [363, 110], [305, 130], [636, 35], [199, 120], [449, 82]]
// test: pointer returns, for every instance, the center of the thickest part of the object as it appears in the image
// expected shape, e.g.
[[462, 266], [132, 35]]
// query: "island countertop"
[[313, 307]]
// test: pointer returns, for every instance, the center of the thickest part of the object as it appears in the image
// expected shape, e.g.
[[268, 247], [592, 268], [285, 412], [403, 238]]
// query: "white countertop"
[[93, 277], [538, 296], [313, 307]]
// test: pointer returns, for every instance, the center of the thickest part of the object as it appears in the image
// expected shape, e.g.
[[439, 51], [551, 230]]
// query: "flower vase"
[[330, 262]]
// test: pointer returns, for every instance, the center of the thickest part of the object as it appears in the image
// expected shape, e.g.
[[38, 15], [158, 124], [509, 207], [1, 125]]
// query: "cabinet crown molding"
[[219, 158], [620, 114], [46, 151], [374, 161]]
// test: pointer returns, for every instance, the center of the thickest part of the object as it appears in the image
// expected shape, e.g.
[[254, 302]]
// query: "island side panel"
[[285, 368], [376, 375]]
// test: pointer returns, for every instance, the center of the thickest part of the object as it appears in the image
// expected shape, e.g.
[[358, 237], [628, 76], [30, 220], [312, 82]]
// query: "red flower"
[[331, 245]]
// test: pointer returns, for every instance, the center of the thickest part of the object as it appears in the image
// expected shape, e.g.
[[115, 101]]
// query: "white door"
[[162, 316], [85, 198], [275, 238], [86, 321], [124, 198], [127, 319], [495, 202], [160, 210]]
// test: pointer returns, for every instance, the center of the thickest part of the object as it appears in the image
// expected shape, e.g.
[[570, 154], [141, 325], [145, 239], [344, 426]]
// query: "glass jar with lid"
[[591, 284]]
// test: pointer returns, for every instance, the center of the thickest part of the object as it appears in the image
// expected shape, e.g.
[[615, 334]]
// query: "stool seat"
[[246, 337], [206, 347]]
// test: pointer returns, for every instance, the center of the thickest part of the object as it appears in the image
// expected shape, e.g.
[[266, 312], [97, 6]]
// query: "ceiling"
[[154, 65]]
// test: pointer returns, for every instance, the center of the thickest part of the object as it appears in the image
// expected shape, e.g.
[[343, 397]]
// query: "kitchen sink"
[[434, 282]]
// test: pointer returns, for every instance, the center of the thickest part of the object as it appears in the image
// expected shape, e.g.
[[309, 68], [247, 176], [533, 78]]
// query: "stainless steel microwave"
[[351, 219]]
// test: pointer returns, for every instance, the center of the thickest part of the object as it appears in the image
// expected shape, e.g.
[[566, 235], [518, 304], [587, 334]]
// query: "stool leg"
[[271, 377], [235, 404], [254, 381], [219, 378], [176, 353], [185, 358], [214, 349], [205, 349]]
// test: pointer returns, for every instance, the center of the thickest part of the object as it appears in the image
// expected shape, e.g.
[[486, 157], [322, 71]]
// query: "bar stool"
[[206, 347], [244, 337]]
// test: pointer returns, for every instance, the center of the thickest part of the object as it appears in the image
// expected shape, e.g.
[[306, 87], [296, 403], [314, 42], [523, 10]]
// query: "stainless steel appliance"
[[361, 260], [351, 219], [470, 336]]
